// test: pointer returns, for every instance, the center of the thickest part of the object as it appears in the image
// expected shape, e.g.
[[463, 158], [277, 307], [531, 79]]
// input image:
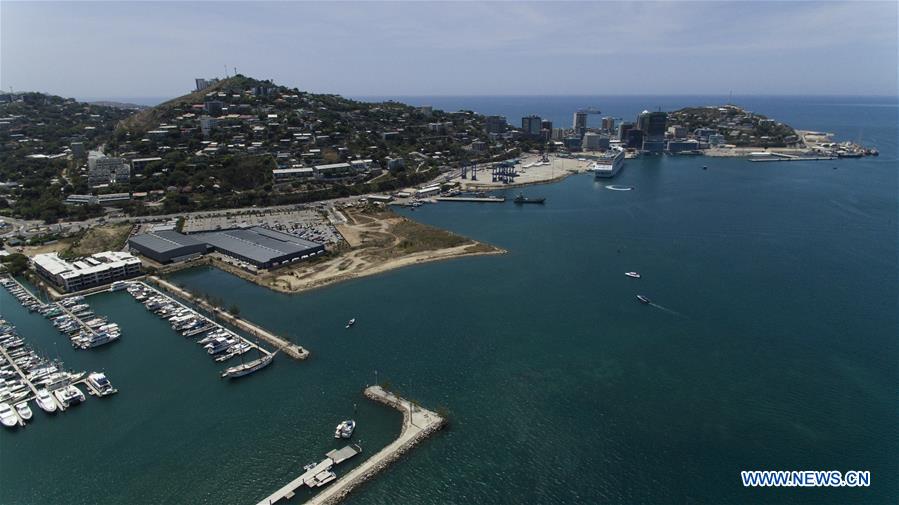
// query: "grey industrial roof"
[[164, 241], [257, 243]]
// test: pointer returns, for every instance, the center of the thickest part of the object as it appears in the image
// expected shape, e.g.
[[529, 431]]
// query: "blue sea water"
[[772, 344]]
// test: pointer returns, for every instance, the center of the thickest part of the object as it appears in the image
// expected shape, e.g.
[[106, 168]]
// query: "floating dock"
[[290, 349], [316, 475]]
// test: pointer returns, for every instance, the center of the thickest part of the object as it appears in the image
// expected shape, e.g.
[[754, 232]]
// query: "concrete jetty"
[[289, 348], [418, 424], [474, 199]]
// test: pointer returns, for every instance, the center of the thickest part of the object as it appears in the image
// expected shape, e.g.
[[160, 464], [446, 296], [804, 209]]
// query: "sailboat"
[[250, 366]]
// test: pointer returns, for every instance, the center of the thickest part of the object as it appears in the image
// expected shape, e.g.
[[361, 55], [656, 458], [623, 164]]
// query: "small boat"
[[45, 401], [7, 415], [643, 299], [350, 323], [634, 275], [520, 199], [345, 429], [24, 410]]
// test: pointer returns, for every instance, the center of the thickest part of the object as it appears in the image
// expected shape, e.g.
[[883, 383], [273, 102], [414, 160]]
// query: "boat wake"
[[666, 309], [615, 187]]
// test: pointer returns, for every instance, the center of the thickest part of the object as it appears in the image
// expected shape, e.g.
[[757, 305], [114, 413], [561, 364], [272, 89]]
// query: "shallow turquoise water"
[[773, 345]]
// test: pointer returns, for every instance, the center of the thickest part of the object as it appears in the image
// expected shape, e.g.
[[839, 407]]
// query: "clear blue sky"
[[122, 49]]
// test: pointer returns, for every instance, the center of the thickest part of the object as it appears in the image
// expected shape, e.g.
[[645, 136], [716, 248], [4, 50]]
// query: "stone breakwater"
[[418, 424]]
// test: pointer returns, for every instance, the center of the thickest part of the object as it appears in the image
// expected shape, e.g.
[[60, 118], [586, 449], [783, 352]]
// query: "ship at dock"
[[521, 199], [608, 164]]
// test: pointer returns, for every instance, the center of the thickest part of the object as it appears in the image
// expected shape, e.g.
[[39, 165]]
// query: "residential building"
[[531, 125], [95, 270], [495, 124]]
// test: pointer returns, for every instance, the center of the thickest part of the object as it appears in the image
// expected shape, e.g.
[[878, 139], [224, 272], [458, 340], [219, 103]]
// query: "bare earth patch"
[[377, 241]]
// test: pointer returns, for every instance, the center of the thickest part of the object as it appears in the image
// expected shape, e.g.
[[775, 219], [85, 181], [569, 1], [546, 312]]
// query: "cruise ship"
[[608, 164]]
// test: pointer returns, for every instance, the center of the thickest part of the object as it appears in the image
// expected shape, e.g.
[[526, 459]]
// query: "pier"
[[471, 199], [791, 158], [289, 348], [208, 325], [418, 424]]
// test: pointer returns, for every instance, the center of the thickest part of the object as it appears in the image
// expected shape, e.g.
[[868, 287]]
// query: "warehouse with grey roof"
[[261, 247], [167, 246]]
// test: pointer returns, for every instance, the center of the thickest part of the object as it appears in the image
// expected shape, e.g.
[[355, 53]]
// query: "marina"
[[294, 351], [27, 376], [220, 343], [70, 316]]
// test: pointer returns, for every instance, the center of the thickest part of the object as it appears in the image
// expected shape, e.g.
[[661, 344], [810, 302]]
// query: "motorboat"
[[345, 429], [634, 275], [8, 416], [99, 381], [24, 411], [69, 395], [45, 401], [350, 323], [644, 300]]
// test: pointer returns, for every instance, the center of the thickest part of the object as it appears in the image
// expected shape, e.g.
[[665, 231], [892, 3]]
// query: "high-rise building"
[[214, 108], [653, 126], [595, 142], [495, 124], [207, 124], [633, 138], [623, 129], [531, 125], [608, 124], [204, 83], [580, 123], [546, 124]]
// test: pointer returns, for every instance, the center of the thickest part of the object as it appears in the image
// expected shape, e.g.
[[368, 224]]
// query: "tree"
[[16, 263], [234, 310]]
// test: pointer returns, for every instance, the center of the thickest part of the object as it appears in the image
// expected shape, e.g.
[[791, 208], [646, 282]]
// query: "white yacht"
[[69, 395], [350, 323], [608, 164], [45, 401], [24, 410], [345, 429], [8, 416], [634, 275], [99, 381]]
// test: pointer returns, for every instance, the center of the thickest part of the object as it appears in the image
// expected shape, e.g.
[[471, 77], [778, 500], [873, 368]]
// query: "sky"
[[156, 49]]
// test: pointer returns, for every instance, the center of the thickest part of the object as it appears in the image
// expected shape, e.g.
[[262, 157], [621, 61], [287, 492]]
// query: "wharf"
[[792, 158], [418, 424], [312, 476], [475, 199], [290, 349]]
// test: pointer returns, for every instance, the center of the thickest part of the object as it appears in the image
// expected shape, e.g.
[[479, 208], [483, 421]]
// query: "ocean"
[[771, 344]]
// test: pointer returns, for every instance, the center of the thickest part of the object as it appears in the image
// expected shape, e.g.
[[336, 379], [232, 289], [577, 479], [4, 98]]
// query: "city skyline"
[[109, 50]]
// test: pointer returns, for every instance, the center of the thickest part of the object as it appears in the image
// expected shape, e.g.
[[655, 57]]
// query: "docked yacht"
[[8, 416], [24, 411], [608, 164], [45, 401], [99, 381], [219, 344], [69, 395], [345, 429], [249, 367]]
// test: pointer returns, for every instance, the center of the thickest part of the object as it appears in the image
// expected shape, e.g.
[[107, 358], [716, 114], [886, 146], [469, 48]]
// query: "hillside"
[[739, 127]]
